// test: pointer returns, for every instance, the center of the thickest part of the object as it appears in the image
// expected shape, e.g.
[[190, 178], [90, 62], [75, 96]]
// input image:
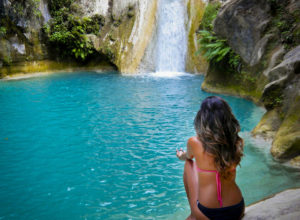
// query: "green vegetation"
[[273, 98], [215, 49], [66, 32], [285, 24], [2, 32], [56, 5], [22, 9], [210, 13]]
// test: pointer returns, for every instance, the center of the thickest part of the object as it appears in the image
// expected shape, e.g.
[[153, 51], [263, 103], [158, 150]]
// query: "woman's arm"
[[188, 154]]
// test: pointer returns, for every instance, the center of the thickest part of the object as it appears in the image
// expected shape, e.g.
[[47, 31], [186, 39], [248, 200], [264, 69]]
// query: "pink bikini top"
[[218, 180]]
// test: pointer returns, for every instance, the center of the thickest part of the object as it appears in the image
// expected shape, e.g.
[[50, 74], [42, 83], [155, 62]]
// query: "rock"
[[295, 161], [289, 65], [242, 23], [92, 7], [125, 38], [276, 56], [283, 206], [280, 76], [133, 48], [286, 144], [194, 63], [94, 40], [268, 125]]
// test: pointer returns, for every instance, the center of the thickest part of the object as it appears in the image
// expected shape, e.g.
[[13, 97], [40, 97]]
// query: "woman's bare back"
[[207, 191]]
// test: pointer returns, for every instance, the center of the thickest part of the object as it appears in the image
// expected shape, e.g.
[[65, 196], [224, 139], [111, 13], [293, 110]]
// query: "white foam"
[[70, 189], [169, 74], [103, 204]]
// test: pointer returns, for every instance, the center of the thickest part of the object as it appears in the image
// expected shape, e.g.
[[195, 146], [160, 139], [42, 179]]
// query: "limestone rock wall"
[[123, 39], [195, 10], [127, 32], [236, 21], [20, 36]]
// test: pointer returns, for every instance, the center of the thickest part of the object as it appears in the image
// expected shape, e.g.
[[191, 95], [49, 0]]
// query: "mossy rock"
[[268, 125], [295, 161], [286, 144], [273, 96], [195, 63], [28, 67], [219, 80]]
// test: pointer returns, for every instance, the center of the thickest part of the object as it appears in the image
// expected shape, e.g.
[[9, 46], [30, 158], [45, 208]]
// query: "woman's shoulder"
[[195, 143], [194, 140]]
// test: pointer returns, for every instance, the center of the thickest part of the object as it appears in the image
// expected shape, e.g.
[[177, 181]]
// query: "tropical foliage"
[[212, 47], [67, 33]]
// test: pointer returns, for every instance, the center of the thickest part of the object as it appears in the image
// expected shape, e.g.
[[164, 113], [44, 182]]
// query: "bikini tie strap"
[[218, 180], [219, 190]]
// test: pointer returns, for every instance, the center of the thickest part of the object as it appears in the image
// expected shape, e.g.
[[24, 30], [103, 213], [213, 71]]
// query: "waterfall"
[[44, 10], [171, 42]]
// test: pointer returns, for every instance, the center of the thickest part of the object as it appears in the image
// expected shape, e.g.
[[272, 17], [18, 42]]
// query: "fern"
[[213, 48]]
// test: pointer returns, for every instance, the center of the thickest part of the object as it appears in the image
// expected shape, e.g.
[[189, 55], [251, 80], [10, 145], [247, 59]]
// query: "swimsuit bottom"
[[224, 213]]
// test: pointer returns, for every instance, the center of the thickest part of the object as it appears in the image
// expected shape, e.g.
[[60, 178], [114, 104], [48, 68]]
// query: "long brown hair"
[[218, 129]]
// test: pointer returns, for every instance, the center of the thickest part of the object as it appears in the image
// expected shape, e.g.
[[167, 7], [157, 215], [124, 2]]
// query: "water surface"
[[102, 146]]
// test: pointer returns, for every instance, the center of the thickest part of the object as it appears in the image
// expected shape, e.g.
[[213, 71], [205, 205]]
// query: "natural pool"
[[102, 146]]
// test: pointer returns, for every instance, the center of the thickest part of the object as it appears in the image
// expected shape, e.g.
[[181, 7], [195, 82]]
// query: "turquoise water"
[[102, 146]]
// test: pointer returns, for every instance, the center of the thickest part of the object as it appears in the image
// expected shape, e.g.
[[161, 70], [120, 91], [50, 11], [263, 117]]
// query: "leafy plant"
[[284, 23], [66, 33], [56, 5], [2, 32], [216, 50], [209, 16]]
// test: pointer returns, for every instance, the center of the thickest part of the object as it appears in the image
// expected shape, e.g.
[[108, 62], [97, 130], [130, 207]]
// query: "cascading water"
[[171, 43]]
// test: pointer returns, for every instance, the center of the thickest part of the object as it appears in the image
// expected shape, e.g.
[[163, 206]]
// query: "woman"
[[210, 180]]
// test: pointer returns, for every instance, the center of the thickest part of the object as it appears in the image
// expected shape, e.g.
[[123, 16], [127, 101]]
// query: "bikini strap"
[[219, 189], [218, 181]]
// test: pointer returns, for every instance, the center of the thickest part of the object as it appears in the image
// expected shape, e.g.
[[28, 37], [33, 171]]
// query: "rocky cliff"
[[20, 36], [128, 30], [265, 34], [125, 30], [194, 63]]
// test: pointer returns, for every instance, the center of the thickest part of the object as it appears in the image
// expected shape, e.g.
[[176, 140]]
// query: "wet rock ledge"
[[284, 205]]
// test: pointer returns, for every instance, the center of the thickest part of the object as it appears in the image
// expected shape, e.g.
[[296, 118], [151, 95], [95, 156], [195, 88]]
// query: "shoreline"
[[21, 75], [24, 70]]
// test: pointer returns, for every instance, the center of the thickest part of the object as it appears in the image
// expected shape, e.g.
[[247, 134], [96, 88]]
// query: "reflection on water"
[[102, 146]]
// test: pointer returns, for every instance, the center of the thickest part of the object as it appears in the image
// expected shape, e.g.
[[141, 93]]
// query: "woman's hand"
[[181, 154]]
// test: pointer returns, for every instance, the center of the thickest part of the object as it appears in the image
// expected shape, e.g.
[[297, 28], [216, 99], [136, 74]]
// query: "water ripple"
[[102, 146]]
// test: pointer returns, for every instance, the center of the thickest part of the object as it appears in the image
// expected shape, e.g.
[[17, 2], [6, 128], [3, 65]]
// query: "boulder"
[[295, 161], [242, 23], [268, 125], [286, 144]]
